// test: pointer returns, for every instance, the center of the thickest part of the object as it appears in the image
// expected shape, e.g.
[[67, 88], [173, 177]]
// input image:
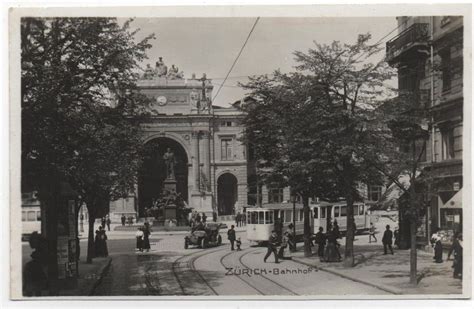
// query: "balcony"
[[409, 44]]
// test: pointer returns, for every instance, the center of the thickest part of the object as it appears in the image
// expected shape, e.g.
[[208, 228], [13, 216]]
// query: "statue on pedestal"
[[170, 161], [174, 73], [160, 68], [149, 73]]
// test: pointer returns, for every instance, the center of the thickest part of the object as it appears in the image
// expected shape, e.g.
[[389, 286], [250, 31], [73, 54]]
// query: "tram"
[[325, 213], [263, 220]]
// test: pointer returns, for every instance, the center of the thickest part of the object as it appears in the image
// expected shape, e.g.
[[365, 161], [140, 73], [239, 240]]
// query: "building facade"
[[210, 160], [428, 54]]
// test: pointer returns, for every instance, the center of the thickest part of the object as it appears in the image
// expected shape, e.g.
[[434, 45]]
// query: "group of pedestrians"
[[456, 250], [240, 219], [126, 220], [196, 219], [106, 222], [100, 242], [328, 245], [143, 237]]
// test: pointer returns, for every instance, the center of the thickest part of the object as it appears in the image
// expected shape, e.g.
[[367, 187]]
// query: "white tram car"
[[325, 213], [261, 221]]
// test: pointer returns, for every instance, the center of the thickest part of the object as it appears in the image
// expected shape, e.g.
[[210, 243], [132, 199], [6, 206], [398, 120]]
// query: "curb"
[[103, 271], [337, 273]]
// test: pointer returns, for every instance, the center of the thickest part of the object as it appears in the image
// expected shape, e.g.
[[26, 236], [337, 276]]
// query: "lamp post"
[[293, 200]]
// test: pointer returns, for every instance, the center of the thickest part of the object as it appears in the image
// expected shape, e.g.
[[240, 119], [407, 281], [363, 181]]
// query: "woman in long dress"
[[146, 239], [139, 237]]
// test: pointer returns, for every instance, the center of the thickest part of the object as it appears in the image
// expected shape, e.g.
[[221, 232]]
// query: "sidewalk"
[[89, 276], [390, 272]]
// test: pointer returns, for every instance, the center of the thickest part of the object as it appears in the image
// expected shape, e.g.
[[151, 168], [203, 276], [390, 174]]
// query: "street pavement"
[[169, 269]]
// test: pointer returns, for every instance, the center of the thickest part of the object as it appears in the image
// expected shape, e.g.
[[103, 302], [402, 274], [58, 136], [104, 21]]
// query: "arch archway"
[[226, 194], [153, 171]]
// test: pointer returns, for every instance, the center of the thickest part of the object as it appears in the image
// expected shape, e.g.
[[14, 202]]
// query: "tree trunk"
[[307, 227], [413, 217], [90, 238], [349, 249]]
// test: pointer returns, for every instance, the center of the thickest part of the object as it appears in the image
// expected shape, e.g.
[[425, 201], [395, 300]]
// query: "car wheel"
[[186, 243], [202, 243]]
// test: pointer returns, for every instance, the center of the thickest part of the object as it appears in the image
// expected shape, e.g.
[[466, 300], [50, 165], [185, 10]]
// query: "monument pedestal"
[[170, 185], [202, 203]]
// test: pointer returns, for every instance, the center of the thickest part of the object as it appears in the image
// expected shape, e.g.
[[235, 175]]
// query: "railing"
[[415, 34]]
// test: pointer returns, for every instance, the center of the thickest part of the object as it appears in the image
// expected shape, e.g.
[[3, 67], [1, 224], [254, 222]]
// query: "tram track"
[[271, 280]]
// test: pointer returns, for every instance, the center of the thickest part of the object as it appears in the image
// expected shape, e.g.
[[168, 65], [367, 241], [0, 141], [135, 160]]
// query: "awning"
[[454, 202]]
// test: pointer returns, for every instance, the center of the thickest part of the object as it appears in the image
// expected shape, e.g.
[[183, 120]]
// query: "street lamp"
[[293, 200]]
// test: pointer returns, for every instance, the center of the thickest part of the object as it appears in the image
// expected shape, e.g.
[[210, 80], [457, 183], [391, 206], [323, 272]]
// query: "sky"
[[210, 45]]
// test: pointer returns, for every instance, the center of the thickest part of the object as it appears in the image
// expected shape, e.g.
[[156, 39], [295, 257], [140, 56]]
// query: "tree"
[[80, 110], [280, 125], [406, 119], [316, 136]]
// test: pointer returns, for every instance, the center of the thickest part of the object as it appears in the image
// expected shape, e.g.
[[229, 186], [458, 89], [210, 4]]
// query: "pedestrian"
[[35, 278], [103, 240], [320, 240], [231, 237], [214, 216], [122, 218], [237, 219], [238, 243], [372, 233], [198, 218], [291, 238], [284, 244], [97, 242], [103, 222], [130, 220], [332, 253], [139, 236], [438, 247], [204, 218], [244, 219], [146, 238], [271, 248], [396, 234], [108, 223], [335, 228], [457, 247], [387, 240]]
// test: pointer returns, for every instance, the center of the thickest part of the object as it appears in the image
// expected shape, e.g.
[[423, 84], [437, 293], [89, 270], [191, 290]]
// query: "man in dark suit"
[[231, 237], [387, 240], [272, 244]]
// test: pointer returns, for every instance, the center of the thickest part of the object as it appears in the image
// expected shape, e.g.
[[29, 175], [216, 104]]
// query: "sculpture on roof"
[[160, 68]]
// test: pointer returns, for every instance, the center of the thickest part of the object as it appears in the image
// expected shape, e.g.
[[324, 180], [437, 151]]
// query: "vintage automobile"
[[204, 237]]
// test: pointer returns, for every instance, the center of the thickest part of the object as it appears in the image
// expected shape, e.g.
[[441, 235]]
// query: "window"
[[275, 195], [301, 215], [23, 216], [374, 193], [323, 213], [343, 211], [361, 210], [226, 149], [316, 212], [31, 216], [336, 211], [38, 216], [226, 123], [254, 217], [268, 217], [447, 143], [446, 68], [261, 219], [288, 216]]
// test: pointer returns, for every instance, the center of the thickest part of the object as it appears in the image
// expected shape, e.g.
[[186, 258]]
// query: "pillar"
[[205, 159], [195, 159]]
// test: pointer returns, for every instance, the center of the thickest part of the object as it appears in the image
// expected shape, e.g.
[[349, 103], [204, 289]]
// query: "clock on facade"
[[161, 100]]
